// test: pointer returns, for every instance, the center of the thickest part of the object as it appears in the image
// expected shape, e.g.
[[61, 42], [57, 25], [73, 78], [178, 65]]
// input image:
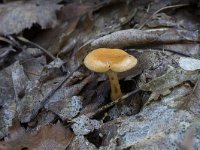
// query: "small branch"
[[172, 51], [45, 100], [10, 40], [36, 45], [163, 50], [6, 40], [103, 108], [16, 43]]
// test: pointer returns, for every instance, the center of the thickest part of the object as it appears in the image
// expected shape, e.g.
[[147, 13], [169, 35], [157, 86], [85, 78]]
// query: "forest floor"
[[50, 100]]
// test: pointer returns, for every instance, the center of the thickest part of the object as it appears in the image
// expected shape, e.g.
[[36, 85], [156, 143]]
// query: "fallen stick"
[[37, 46], [103, 108]]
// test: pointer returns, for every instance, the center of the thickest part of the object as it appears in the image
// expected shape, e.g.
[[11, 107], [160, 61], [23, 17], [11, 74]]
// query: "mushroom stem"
[[115, 86]]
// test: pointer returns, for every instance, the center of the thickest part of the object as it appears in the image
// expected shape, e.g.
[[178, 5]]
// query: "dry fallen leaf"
[[83, 125], [19, 78], [189, 64], [81, 143], [73, 10], [33, 67], [54, 136], [7, 100], [16, 16], [134, 37], [64, 98], [30, 104], [162, 85]]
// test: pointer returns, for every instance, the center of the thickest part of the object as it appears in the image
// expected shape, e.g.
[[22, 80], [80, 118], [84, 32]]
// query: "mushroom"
[[110, 61]]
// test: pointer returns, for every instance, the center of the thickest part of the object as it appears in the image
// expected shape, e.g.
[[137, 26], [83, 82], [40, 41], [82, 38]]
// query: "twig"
[[196, 84], [172, 51], [6, 40], [164, 49], [6, 51], [164, 8], [28, 72], [10, 40], [103, 108], [16, 43], [194, 92], [36, 45], [45, 100]]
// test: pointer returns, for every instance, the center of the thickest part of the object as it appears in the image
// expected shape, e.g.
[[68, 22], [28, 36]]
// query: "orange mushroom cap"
[[105, 59]]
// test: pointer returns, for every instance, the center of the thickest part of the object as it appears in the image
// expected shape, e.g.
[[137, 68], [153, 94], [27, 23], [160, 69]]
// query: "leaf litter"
[[17, 16], [47, 91], [52, 136]]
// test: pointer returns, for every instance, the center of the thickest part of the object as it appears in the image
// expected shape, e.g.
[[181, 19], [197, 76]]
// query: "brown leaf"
[[73, 10], [53, 39], [16, 16], [47, 137]]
